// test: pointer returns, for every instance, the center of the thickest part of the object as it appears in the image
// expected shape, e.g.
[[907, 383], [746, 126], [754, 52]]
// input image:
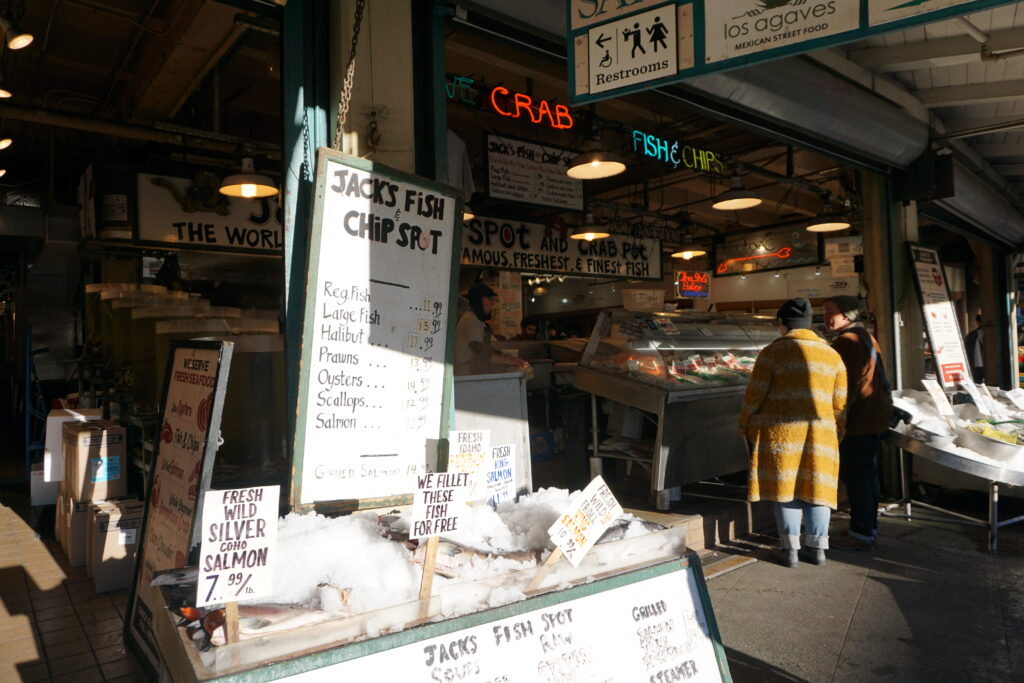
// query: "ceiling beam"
[[1000, 150], [170, 66], [933, 53], [977, 93], [1010, 170]]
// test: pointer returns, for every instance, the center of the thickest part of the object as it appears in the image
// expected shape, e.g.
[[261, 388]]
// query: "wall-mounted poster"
[[531, 173], [760, 250]]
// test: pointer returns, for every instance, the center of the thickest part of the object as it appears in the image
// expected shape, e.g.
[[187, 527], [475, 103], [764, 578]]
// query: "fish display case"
[[615, 582], [687, 373]]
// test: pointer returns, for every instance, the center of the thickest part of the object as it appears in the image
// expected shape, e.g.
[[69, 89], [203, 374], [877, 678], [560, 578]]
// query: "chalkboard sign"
[[197, 374], [375, 373], [760, 250], [654, 624]]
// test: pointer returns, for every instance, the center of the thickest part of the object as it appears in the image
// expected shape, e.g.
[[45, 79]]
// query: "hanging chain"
[[350, 71]]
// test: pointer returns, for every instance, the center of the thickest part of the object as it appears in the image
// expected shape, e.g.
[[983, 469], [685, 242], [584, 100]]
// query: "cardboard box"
[[74, 529], [114, 535], [95, 460]]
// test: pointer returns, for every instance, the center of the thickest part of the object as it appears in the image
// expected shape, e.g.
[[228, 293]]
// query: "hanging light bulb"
[[16, 38], [6, 142], [595, 161], [540, 290], [467, 212], [689, 248], [736, 197], [831, 219], [248, 184], [590, 230], [3, 172]]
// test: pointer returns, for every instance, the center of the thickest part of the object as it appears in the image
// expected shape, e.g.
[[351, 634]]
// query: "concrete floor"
[[930, 604]]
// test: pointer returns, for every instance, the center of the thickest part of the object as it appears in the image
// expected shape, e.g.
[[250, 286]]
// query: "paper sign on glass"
[[239, 539], [579, 527]]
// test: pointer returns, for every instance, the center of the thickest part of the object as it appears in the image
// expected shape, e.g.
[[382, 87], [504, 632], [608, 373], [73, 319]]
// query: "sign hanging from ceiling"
[[531, 173], [617, 47], [760, 250], [535, 248], [192, 214]]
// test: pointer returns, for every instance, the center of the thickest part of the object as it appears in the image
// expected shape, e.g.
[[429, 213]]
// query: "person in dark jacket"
[[868, 414]]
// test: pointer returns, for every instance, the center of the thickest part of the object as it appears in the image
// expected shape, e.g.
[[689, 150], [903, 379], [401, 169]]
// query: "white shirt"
[[468, 330]]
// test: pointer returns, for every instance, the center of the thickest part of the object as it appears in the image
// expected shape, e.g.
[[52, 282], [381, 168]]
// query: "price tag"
[[971, 388], [993, 406], [239, 541], [501, 475], [938, 397], [470, 452], [1016, 397], [576, 531]]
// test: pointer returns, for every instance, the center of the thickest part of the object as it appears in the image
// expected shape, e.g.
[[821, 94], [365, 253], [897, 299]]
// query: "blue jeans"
[[858, 469], [815, 518]]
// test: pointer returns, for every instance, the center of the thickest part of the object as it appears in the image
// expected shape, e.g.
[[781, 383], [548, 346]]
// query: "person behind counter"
[[528, 329], [792, 419], [474, 354], [868, 415]]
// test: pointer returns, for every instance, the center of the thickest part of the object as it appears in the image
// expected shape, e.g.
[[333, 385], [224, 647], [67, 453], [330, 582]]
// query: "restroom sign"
[[639, 48]]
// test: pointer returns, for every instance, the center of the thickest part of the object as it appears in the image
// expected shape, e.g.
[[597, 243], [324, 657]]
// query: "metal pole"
[[305, 97], [993, 516]]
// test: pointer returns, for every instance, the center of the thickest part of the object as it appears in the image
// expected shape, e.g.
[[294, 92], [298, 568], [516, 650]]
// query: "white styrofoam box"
[[53, 455], [42, 492]]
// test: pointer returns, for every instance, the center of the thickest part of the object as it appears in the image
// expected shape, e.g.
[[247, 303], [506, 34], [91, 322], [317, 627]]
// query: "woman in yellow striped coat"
[[792, 418]]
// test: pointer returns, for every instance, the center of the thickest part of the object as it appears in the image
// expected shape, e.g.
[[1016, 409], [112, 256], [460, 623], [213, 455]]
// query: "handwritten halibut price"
[[239, 537]]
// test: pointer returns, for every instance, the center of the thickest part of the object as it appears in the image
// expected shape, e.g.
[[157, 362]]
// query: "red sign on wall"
[[692, 284], [518, 105]]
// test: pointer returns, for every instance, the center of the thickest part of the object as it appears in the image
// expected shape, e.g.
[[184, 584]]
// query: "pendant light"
[[595, 161], [689, 250], [590, 230], [832, 218], [736, 197], [5, 143], [248, 184], [16, 38]]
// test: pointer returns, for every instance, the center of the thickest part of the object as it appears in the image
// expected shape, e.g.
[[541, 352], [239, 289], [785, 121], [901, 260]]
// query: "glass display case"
[[687, 372]]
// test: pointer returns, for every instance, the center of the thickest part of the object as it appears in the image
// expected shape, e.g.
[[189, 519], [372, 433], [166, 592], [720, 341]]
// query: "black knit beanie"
[[795, 314]]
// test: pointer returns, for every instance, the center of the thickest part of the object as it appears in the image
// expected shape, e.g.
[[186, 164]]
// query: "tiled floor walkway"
[[53, 626]]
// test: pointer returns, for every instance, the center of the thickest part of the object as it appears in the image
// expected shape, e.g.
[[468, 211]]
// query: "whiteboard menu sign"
[[659, 628], [239, 538], [939, 317], [373, 383], [531, 173], [182, 469], [578, 528]]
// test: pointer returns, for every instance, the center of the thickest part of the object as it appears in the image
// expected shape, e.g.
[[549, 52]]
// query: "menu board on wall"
[[659, 628], [510, 304], [534, 248], [373, 385], [190, 213], [531, 173], [197, 374], [939, 317], [760, 250]]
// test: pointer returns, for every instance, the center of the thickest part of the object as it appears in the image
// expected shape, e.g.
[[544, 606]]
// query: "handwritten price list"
[[375, 335]]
